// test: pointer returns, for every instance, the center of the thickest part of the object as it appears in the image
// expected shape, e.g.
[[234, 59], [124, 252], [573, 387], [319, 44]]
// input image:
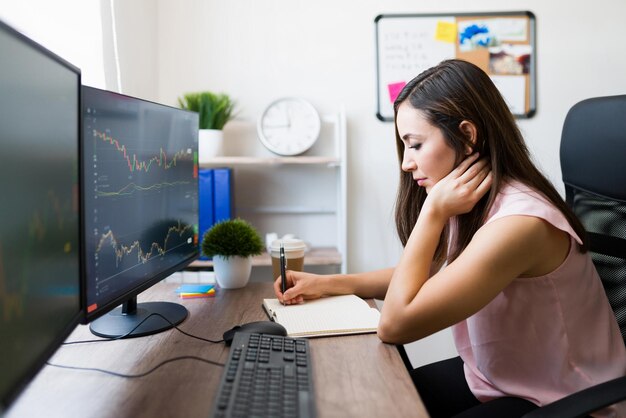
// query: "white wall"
[[77, 40], [133, 35], [324, 50]]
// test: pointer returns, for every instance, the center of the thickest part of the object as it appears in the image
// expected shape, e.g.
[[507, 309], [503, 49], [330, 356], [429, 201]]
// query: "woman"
[[491, 249]]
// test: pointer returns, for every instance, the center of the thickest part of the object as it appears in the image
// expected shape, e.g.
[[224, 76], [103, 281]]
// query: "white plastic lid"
[[289, 244]]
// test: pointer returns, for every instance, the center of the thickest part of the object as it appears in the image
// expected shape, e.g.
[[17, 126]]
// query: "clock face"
[[289, 126]]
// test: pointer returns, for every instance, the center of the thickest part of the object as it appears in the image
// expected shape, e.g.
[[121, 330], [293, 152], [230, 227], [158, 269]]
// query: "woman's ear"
[[469, 130]]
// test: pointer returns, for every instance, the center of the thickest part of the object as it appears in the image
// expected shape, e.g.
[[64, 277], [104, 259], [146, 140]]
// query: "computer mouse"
[[261, 327]]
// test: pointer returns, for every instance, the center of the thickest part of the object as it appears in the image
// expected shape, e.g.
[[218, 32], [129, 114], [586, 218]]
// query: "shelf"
[[304, 195], [304, 160], [287, 210], [320, 256]]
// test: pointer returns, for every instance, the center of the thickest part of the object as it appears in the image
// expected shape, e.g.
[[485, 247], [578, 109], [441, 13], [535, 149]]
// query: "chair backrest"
[[593, 165]]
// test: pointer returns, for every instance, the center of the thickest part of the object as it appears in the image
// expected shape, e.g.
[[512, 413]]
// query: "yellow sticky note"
[[445, 32]]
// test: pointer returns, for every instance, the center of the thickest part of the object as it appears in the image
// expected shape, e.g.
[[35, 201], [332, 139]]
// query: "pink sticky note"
[[395, 89]]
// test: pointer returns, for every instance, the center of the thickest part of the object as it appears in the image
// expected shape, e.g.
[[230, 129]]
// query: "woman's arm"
[[455, 194], [302, 286], [373, 284], [499, 252]]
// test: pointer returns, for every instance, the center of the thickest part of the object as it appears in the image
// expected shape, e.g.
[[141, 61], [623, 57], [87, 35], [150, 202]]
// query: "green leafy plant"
[[214, 109], [232, 237]]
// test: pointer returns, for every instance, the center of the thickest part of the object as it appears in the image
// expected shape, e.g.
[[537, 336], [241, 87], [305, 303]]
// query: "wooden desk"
[[354, 376]]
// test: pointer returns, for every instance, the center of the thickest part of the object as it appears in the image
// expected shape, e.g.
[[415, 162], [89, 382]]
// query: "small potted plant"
[[214, 111], [232, 243]]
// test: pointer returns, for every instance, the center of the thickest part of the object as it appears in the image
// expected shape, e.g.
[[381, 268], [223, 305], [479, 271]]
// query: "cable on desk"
[[137, 326], [131, 376]]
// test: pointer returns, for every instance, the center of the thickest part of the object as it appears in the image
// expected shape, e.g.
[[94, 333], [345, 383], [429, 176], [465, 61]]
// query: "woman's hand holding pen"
[[300, 287], [459, 191]]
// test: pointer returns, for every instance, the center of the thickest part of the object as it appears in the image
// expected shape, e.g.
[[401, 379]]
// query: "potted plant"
[[214, 111], [232, 243]]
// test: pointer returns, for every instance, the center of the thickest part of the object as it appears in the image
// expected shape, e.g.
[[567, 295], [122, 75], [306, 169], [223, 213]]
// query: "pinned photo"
[[509, 59], [474, 36]]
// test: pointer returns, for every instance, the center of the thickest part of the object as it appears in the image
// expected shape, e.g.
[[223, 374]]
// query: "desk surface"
[[354, 376]]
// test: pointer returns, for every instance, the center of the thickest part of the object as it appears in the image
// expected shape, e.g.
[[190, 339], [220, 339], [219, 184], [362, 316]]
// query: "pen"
[[283, 281]]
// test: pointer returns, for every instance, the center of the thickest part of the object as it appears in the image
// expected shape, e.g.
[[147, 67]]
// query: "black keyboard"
[[266, 376]]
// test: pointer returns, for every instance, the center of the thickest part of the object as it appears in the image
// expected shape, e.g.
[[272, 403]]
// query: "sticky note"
[[445, 32], [395, 89], [194, 288], [210, 293]]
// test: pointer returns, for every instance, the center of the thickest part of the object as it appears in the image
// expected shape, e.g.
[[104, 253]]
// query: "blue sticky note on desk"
[[194, 288]]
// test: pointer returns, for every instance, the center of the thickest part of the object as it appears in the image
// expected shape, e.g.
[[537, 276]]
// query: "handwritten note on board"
[[405, 50]]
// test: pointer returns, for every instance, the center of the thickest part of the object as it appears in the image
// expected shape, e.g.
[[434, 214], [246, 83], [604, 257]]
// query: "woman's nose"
[[408, 164]]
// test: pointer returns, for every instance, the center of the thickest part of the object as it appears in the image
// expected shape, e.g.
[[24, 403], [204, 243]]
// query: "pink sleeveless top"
[[542, 338]]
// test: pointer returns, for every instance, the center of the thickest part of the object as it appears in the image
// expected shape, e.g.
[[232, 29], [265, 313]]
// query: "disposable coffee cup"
[[294, 254]]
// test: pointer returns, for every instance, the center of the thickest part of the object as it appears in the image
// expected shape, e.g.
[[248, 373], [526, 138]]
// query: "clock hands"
[[288, 116], [289, 126]]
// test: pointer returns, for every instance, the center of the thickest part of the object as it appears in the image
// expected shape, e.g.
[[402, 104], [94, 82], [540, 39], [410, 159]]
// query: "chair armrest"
[[581, 404]]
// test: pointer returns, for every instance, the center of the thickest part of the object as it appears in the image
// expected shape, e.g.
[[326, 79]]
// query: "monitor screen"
[[40, 223], [141, 208]]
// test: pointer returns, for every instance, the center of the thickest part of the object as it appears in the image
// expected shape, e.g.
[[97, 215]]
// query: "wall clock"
[[289, 126]]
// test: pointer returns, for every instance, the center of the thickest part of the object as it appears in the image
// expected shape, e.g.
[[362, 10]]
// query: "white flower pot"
[[232, 272], [210, 144]]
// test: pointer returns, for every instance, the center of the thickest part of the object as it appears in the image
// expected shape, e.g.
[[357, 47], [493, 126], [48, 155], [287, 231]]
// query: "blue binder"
[[223, 189], [206, 194]]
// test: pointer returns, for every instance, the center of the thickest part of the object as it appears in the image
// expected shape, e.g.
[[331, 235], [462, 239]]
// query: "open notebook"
[[333, 315]]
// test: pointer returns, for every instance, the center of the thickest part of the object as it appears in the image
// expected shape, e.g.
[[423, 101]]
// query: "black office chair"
[[593, 165]]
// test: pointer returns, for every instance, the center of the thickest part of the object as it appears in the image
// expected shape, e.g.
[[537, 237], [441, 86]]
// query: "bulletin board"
[[501, 43]]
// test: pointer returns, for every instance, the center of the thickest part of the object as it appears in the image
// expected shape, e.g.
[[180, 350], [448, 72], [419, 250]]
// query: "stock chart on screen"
[[141, 192]]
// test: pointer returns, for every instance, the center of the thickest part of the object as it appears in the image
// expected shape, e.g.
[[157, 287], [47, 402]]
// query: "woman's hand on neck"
[[460, 190]]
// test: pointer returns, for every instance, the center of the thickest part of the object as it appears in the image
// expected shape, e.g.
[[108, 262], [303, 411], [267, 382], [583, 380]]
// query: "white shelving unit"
[[304, 195]]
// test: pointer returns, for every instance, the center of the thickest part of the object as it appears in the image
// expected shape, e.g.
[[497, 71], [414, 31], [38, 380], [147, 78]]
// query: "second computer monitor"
[[141, 208]]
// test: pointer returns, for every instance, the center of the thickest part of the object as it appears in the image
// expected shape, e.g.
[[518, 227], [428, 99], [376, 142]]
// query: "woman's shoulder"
[[516, 198], [516, 190]]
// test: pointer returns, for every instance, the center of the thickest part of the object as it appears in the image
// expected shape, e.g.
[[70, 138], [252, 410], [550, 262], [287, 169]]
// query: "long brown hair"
[[447, 94]]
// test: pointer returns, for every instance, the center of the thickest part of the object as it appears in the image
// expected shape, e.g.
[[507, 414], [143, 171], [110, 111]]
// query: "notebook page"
[[332, 315]]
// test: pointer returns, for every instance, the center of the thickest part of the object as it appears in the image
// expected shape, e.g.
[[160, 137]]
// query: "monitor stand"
[[123, 321]]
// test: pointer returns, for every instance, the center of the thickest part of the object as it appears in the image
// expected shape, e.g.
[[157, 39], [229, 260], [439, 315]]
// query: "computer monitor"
[[40, 219], [140, 202]]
